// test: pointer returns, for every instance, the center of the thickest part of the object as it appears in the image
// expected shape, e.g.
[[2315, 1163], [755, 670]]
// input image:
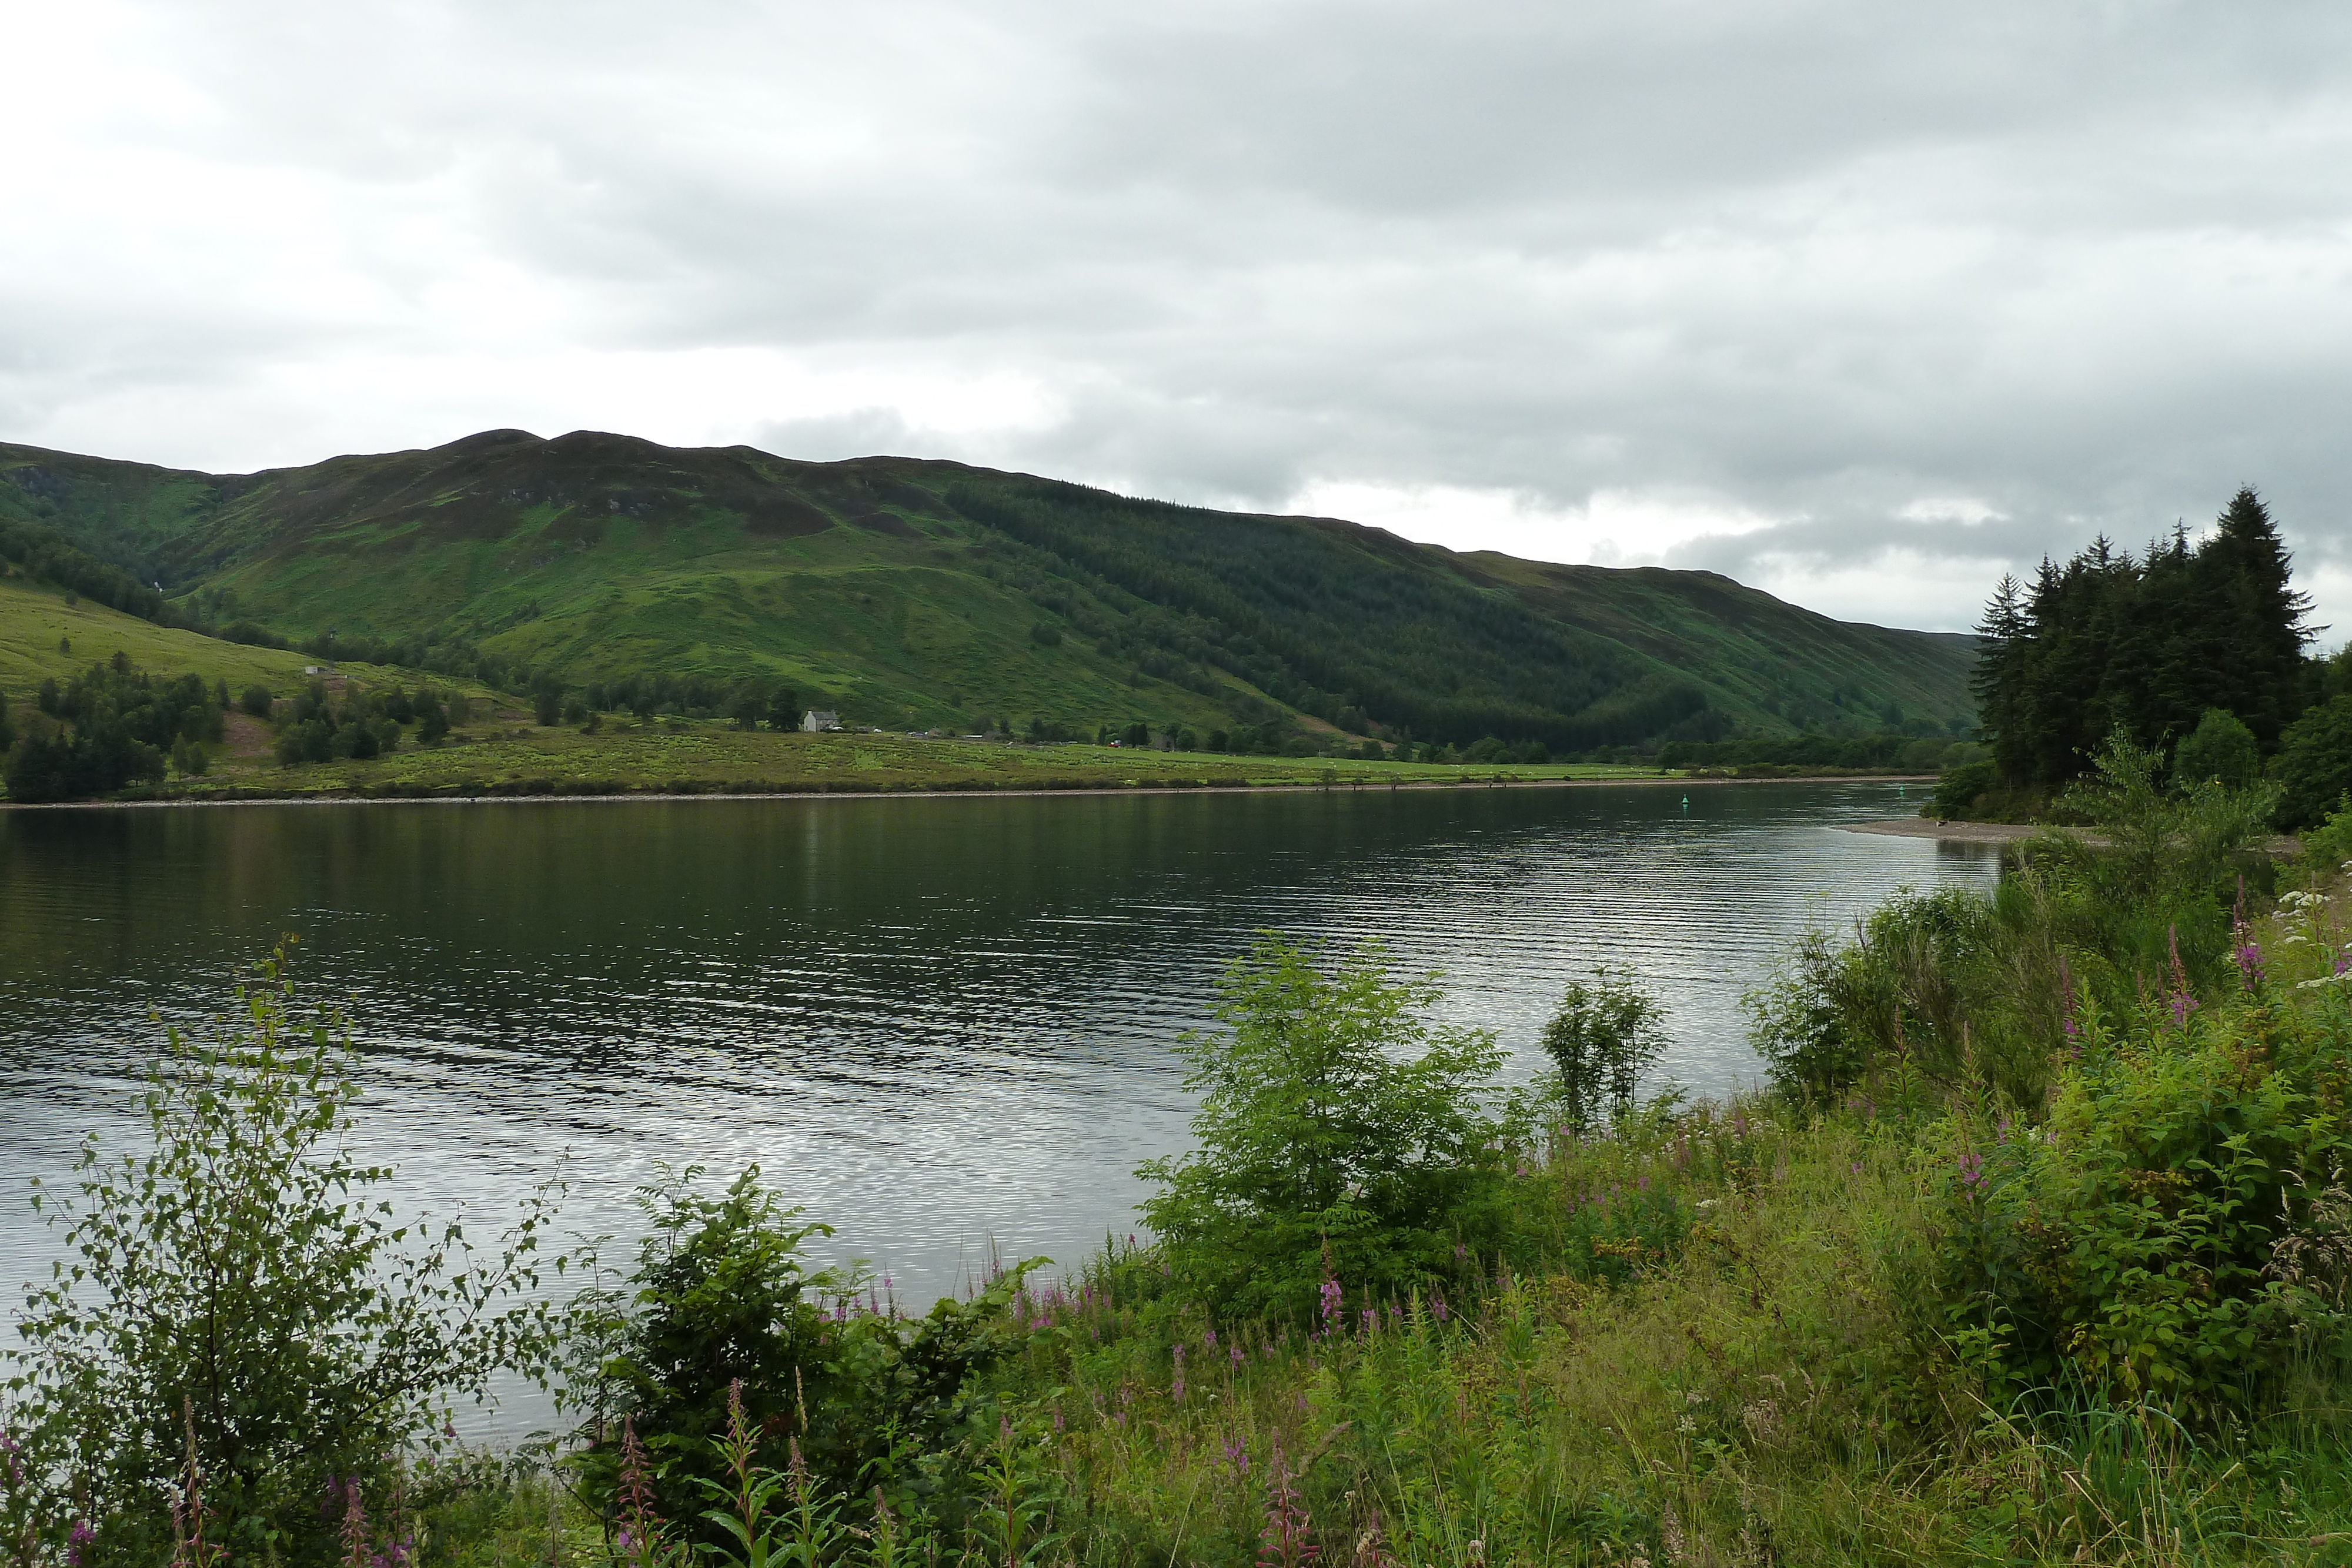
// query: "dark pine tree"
[[2148, 645], [2256, 617]]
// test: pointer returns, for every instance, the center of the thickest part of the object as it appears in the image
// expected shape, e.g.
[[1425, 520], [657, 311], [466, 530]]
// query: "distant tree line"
[[1888, 748], [2193, 648], [111, 726], [747, 702], [2146, 642], [365, 724]]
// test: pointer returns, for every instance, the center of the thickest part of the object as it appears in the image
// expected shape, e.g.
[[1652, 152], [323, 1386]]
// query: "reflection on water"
[[935, 1022]]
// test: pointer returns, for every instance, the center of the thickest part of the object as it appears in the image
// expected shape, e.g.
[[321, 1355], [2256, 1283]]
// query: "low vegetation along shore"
[[2037, 1251], [114, 731]]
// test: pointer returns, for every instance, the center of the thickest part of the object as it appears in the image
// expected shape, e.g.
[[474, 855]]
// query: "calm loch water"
[[938, 1023]]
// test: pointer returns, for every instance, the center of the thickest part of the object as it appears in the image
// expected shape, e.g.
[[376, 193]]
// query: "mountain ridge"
[[917, 591]]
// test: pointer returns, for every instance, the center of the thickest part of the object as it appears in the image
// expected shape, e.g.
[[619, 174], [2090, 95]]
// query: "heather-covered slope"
[[913, 592]]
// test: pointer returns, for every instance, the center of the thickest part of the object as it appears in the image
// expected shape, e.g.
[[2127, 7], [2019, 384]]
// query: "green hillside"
[[917, 594]]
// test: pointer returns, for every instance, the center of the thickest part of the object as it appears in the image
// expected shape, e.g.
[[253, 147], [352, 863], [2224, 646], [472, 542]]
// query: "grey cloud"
[[2086, 265]]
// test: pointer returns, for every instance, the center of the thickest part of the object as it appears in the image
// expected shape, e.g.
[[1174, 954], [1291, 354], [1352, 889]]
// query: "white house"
[[817, 720]]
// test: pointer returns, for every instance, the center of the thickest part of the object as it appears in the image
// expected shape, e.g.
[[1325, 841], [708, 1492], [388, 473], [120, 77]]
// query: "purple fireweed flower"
[[1972, 1170], [1437, 1305], [1237, 1353], [1461, 1254], [2250, 964], [1176, 1385], [1209, 1338], [80, 1541], [2000, 1133], [1238, 1456], [1372, 1320], [1333, 1298]]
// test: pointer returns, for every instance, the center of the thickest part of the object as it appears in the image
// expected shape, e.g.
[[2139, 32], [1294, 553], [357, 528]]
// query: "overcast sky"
[[1857, 303]]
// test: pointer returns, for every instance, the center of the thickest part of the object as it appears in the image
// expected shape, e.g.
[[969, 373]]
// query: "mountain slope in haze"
[[913, 592]]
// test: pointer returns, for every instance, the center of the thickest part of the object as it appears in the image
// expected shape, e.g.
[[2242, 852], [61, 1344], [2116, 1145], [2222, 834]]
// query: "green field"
[[42, 638], [518, 757]]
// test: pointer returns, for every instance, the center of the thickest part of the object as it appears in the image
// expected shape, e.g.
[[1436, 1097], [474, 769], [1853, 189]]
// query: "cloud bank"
[[1863, 304]]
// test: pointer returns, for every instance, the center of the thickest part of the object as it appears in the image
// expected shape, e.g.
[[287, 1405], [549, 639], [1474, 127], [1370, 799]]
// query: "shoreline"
[[1957, 832], [1948, 832], [975, 792]]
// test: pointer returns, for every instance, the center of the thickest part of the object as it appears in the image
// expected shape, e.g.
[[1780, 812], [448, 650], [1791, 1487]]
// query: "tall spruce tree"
[[2258, 615]]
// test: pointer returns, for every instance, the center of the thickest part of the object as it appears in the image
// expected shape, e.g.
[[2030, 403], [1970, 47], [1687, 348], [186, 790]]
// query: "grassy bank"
[[706, 757]]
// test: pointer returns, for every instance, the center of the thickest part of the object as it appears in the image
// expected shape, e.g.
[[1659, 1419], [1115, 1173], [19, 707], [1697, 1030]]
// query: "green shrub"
[[2313, 765], [723, 1317], [240, 1297], [1607, 1033], [2327, 846], [2220, 750], [1928, 990], [2136, 1239], [1959, 789], [1341, 1134], [256, 700]]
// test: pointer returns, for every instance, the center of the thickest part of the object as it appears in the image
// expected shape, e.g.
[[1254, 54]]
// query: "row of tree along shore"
[[2196, 649], [115, 728]]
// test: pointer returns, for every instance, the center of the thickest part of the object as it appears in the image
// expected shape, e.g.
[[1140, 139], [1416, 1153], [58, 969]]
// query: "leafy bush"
[[2220, 750], [242, 1300], [1341, 1134], [1928, 992], [1798, 1023], [724, 1328], [1959, 789], [2137, 1238], [1608, 1032], [256, 700], [2162, 846], [2327, 846], [2313, 765]]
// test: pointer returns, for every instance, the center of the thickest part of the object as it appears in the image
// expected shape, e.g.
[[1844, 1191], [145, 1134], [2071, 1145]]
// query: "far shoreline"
[[1352, 786]]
